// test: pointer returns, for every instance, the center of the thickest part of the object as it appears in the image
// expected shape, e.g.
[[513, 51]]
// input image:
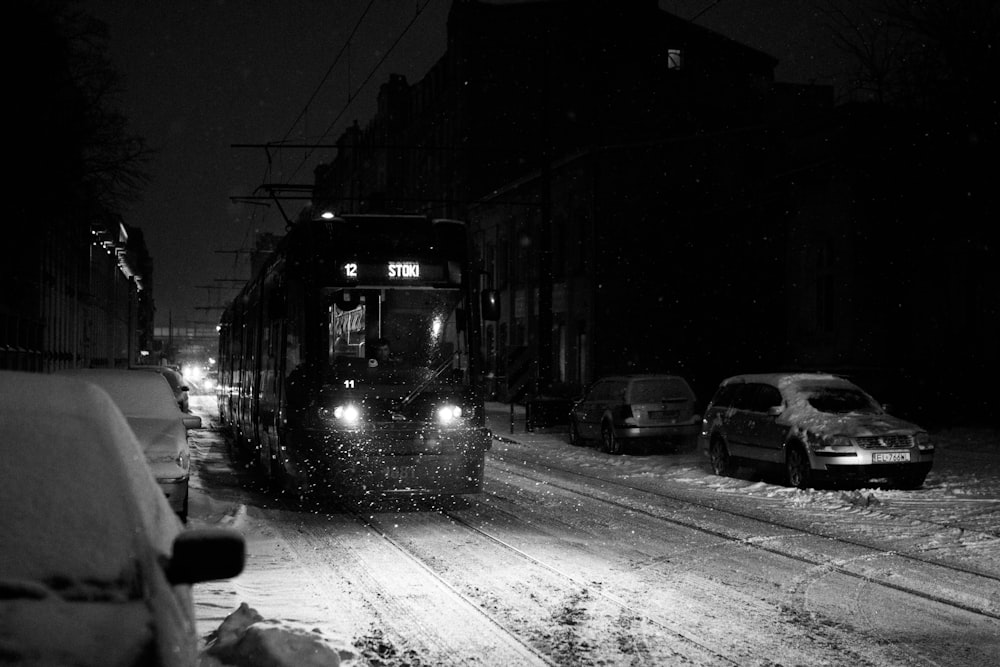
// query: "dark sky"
[[203, 75]]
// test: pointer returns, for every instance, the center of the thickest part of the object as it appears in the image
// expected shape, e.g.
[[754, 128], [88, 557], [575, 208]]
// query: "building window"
[[674, 59]]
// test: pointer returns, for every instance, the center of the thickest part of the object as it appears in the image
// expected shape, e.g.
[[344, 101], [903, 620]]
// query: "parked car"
[[97, 568], [161, 428], [177, 383], [815, 427], [643, 407]]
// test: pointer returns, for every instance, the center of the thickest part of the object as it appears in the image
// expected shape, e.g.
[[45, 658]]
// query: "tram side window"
[[293, 330]]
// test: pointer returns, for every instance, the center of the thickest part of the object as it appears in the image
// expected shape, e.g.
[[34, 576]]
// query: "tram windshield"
[[397, 336]]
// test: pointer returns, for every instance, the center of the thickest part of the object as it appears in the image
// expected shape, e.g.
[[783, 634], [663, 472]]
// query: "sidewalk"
[[510, 425]]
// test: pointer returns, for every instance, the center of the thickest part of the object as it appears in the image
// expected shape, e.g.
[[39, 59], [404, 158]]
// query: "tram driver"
[[381, 354], [383, 351]]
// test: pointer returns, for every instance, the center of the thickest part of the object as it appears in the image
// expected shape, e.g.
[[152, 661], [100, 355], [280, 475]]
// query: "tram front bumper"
[[405, 461]]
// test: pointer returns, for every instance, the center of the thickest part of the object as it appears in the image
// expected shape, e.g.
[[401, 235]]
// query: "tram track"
[[405, 598], [472, 606], [756, 541], [678, 633], [312, 537], [690, 640]]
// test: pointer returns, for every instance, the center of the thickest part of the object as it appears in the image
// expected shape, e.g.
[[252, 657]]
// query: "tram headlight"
[[449, 414], [345, 414], [348, 414]]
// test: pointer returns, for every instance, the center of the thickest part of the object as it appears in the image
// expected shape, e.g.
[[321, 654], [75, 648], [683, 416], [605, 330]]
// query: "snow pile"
[[247, 639]]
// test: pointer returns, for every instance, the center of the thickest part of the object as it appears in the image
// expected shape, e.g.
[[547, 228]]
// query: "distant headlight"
[[448, 414]]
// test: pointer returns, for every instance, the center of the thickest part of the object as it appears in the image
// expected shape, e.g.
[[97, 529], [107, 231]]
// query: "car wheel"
[[722, 463], [610, 443], [574, 434], [798, 472]]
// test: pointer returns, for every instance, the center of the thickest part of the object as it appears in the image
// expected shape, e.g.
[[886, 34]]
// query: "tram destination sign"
[[401, 271]]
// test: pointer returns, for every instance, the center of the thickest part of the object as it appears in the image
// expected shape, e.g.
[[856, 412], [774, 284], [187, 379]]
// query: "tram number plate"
[[890, 457], [403, 474]]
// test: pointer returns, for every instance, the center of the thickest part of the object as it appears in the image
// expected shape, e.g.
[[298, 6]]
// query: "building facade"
[[646, 197], [77, 296]]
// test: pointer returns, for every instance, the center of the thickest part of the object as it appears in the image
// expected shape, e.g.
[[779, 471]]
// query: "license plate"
[[890, 457], [664, 415]]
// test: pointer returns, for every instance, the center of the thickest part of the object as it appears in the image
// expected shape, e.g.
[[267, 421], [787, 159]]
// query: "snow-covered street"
[[575, 557]]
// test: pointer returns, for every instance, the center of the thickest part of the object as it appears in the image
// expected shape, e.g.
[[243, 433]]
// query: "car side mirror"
[[775, 410], [192, 421], [206, 554]]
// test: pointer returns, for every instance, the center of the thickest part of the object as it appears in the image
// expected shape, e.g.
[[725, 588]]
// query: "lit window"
[[674, 59]]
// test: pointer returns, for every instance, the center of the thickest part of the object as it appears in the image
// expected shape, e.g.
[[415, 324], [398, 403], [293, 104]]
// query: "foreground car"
[[640, 407], [161, 428], [97, 569], [816, 427]]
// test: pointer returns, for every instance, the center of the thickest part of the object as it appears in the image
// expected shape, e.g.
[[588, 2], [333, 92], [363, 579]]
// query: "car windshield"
[[840, 400], [173, 377], [660, 389]]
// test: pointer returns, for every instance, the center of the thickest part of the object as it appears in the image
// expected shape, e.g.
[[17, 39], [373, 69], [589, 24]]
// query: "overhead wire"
[[267, 168], [352, 95], [329, 70]]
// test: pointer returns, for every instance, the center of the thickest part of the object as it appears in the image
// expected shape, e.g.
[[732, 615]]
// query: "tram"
[[351, 363]]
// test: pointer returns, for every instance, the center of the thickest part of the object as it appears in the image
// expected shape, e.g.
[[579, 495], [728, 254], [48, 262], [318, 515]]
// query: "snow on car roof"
[[175, 378], [76, 490], [780, 379], [640, 376], [136, 394]]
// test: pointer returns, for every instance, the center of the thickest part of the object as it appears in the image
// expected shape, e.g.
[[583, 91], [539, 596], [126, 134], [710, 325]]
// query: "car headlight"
[[923, 441], [182, 459], [449, 414], [817, 442]]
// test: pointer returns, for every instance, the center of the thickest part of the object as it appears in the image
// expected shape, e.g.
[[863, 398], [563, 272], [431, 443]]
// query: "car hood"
[[852, 424], [159, 436]]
